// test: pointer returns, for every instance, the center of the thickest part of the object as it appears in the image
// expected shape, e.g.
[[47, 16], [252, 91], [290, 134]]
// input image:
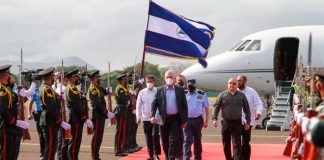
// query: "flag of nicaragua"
[[175, 36]]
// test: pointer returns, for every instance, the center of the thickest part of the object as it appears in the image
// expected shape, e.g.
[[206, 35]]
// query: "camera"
[[31, 75]]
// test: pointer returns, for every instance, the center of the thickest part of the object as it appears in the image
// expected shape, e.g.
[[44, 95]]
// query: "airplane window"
[[236, 45], [242, 47], [254, 46]]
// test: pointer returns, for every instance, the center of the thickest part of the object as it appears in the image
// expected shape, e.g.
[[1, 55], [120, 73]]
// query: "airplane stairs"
[[280, 113]]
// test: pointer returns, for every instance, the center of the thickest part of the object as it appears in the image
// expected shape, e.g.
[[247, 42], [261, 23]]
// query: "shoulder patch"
[[201, 92]]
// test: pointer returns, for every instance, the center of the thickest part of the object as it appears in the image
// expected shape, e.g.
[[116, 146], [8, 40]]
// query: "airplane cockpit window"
[[242, 47], [254, 46], [236, 45]]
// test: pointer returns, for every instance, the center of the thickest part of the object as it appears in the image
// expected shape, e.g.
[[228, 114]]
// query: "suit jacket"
[[159, 103]]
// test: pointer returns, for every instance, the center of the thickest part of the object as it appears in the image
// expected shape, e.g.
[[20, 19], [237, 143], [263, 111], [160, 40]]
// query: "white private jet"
[[265, 57], [268, 59]]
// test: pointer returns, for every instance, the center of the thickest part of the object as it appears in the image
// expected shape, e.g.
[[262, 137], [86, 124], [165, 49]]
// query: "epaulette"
[[200, 92], [93, 90], [49, 91], [74, 89]]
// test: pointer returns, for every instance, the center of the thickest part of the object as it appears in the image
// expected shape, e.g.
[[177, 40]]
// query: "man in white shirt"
[[143, 113], [256, 108]]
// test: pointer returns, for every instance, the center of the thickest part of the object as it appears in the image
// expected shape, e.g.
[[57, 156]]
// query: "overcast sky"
[[102, 30]]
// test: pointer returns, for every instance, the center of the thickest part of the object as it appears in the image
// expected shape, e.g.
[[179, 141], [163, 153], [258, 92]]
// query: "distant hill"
[[69, 61]]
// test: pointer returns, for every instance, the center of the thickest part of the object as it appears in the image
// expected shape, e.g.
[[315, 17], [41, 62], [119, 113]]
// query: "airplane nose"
[[192, 72]]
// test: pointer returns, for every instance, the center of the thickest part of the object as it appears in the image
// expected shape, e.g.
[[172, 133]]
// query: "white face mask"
[[169, 81], [149, 85]]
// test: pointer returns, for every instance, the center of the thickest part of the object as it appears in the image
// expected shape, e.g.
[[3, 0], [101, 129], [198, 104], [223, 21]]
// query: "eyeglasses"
[[232, 83]]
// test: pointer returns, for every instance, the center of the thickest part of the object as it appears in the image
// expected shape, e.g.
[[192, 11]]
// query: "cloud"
[[102, 30]]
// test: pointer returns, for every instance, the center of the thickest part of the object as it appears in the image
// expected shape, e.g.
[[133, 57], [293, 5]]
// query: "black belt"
[[192, 118], [172, 115], [232, 120]]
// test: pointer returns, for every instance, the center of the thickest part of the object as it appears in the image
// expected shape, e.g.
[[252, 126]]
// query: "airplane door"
[[285, 58]]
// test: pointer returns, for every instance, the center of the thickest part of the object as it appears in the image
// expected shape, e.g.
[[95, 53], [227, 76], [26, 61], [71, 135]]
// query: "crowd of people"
[[174, 114]]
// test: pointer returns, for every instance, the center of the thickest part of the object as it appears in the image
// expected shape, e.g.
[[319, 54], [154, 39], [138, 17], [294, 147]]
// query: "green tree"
[[148, 69]]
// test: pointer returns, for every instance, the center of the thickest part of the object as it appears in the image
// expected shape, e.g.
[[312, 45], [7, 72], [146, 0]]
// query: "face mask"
[[169, 81], [180, 83], [149, 85], [191, 88]]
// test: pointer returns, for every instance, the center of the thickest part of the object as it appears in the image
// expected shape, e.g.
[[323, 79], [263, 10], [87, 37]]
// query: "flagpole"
[[143, 56]]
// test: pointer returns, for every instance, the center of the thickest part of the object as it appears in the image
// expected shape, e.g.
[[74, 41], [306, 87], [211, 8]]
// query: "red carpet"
[[214, 151]]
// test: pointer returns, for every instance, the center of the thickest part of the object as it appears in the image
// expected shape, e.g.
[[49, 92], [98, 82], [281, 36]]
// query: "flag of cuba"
[[175, 36]]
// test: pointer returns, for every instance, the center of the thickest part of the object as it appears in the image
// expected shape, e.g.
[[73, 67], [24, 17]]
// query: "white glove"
[[110, 90], [299, 117], [304, 124], [89, 123], [87, 97], [132, 92], [65, 125], [141, 81], [22, 124], [134, 111], [110, 115]]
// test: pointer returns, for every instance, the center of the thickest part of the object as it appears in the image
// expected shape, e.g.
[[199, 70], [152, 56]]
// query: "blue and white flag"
[[175, 36]]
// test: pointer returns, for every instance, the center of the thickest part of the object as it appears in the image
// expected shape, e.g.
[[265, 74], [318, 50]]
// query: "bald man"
[[231, 102]]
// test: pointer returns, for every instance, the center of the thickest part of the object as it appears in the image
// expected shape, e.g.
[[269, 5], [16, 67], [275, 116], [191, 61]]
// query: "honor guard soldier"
[[77, 115], [15, 103], [50, 119], [20, 94], [8, 114], [131, 125], [122, 97], [99, 113]]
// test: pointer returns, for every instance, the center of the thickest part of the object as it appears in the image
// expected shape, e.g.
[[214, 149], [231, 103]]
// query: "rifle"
[[85, 101], [113, 121], [67, 133], [26, 135], [133, 86]]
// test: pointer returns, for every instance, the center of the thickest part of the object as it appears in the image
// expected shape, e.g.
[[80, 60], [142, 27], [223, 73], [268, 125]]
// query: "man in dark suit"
[[170, 101]]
